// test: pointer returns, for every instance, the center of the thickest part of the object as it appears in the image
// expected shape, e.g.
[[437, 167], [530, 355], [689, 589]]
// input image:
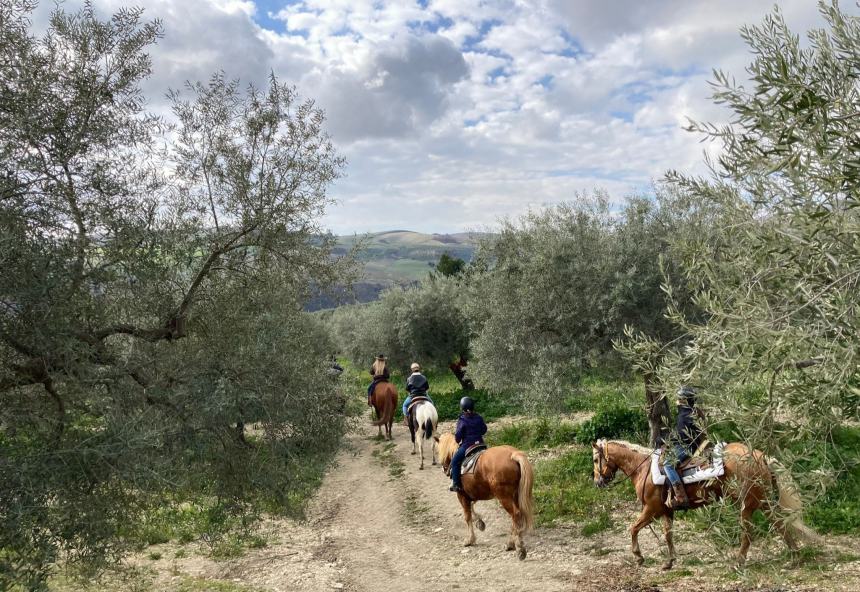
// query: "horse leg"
[[421, 451], [411, 434], [479, 521], [644, 520], [515, 540], [467, 516], [433, 450], [746, 536], [667, 532]]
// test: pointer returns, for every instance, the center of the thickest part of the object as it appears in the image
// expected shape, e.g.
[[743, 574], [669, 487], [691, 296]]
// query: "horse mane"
[[447, 444], [631, 446]]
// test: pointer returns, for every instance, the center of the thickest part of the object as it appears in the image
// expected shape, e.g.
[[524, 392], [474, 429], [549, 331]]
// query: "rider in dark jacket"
[[687, 438], [416, 386], [470, 430]]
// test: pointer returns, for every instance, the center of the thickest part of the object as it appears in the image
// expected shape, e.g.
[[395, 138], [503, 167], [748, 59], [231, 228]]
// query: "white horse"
[[423, 425]]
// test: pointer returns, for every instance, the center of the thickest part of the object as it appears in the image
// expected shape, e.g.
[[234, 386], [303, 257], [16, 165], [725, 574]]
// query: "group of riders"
[[471, 427]]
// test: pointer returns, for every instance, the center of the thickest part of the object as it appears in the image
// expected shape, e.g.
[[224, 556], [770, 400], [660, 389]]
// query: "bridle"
[[604, 482]]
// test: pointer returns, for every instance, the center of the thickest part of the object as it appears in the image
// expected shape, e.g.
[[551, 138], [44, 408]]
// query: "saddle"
[[694, 469], [473, 453], [415, 400]]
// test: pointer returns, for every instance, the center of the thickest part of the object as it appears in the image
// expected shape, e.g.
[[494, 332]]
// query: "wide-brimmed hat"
[[415, 367], [380, 357]]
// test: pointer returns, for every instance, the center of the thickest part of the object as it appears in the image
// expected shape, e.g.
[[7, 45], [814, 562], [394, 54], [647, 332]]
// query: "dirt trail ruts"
[[378, 524], [391, 527]]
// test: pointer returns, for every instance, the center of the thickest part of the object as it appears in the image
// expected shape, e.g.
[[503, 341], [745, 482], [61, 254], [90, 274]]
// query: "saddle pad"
[[414, 402], [470, 462], [701, 474]]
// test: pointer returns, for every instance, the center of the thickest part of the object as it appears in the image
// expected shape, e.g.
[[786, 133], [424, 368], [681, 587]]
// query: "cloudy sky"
[[453, 113]]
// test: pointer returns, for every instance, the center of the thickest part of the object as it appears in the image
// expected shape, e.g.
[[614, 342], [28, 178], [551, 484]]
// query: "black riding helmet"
[[467, 404], [687, 394]]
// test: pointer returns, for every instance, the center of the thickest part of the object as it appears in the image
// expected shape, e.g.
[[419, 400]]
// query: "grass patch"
[[609, 422], [601, 523], [564, 490], [530, 434], [190, 584], [385, 456]]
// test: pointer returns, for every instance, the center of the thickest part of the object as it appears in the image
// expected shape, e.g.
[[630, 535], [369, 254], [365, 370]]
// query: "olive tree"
[[777, 267], [551, 292], [152, 274], [425, 323]]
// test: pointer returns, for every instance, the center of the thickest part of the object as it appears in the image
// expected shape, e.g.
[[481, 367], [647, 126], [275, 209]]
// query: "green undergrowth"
[[564, 491], [609, 422], [838, 510]]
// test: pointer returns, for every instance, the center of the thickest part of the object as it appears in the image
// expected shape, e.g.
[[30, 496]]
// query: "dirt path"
[[378, 524], [391, 527]]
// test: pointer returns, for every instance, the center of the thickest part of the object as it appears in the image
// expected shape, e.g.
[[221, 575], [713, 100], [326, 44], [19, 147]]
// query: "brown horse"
[[504, 473], [747, 479], [384, 401]]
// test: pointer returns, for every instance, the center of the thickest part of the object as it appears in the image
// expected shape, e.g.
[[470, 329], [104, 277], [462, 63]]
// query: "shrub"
[[614, 421]]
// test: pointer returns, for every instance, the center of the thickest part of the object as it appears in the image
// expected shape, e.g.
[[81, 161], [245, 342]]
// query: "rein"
[[613, 483]]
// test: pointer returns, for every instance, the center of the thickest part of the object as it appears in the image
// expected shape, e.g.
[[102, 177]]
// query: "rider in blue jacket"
[[686, 441], [470, 430]]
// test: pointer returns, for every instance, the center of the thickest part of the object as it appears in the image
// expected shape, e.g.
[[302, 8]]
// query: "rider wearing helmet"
[[417, 386], [470, 430], [686, 439]]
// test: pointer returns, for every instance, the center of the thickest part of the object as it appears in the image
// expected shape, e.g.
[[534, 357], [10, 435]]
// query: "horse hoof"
[[480, 525], [413, 452], [468, 543], [640, 561], [421, 468], [510, 547], [667, 566], [522, 554]]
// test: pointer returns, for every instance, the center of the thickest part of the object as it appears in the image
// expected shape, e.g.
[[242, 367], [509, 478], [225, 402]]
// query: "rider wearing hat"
[[416, 386], [686, 439], [470, 430], [379, 372]]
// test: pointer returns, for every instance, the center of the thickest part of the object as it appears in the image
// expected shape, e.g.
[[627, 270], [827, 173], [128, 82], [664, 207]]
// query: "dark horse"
[[384, 401], [504, 473], [748, 479]]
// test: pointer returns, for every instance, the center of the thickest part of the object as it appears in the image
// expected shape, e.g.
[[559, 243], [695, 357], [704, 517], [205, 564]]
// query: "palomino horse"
[[504, 473], [422, 423], [384, 401], [747, 479]]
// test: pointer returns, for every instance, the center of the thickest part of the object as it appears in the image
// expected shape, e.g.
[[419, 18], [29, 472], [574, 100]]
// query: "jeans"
[[669, 466], [456, 462], [409, 400]]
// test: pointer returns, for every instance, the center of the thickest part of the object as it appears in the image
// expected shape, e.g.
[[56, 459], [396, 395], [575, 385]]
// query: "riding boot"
[[680, 501]]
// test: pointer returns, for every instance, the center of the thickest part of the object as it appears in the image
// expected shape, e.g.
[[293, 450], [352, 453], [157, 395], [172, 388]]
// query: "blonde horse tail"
[[790, 504], [524, 494]]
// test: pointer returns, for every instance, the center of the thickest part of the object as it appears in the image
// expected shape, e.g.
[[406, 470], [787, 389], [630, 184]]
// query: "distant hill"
[[397, 257]]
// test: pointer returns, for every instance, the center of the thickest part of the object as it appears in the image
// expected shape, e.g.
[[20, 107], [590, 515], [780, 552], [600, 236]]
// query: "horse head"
[[604, 468], [446, 447]]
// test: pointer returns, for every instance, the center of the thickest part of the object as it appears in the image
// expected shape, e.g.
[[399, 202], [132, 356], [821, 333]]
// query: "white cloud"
[[453, 112]]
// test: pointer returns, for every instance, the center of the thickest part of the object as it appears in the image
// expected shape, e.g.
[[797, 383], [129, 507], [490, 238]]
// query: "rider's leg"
[[406, 407], [456, 462], [370, 390], [681, 501]]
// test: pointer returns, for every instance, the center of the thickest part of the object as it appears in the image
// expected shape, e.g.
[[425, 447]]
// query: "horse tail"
[[428, 428], [389, 400], [790, 504], [524, 493]]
